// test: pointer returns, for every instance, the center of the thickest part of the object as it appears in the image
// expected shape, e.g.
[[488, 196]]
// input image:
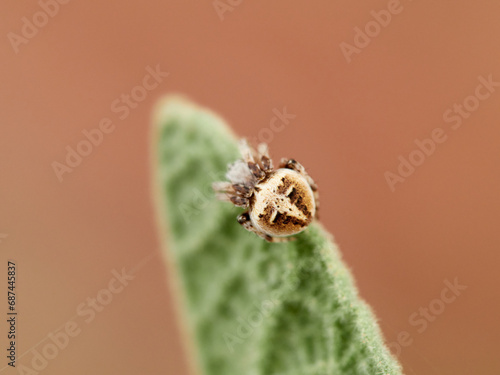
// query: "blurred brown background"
[[353, 120]]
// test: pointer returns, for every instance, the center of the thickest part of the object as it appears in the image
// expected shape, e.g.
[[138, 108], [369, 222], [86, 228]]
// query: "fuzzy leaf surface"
[[251, 307]]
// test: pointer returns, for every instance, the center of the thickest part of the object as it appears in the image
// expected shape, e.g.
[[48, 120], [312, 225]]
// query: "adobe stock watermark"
[[224, 6], [121, 107], [422, 318], [456, 115], [32, 25], [363, 37], [247, 326], [57, 341], [200, 199], [277, 124]]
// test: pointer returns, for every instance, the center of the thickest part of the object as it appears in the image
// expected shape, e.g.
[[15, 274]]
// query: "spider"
[[280, 202]]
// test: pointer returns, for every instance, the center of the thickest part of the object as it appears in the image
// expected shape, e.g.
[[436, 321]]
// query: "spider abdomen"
[[283, 204], [279, 203]]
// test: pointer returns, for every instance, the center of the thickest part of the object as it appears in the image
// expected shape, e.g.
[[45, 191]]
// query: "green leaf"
[[251, 307]]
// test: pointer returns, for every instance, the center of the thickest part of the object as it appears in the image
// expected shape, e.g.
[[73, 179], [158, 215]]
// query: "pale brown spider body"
[[280, 203]]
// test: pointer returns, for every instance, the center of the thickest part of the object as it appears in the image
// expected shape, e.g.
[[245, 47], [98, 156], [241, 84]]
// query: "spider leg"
[[246, 151], [297, 167], [238, 194], [244, 220], [248, 157], [243, 190], [264, 158]]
